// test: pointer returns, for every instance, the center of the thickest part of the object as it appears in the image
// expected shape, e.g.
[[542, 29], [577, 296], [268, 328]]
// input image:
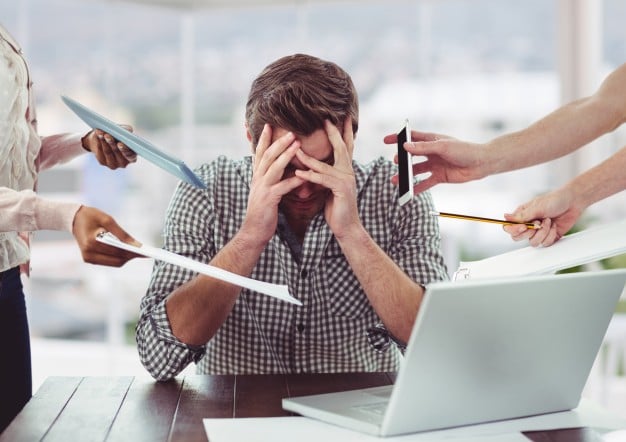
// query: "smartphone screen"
[[405, 168]]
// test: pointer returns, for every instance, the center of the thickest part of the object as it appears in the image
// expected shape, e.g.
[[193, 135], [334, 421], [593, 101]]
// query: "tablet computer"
[[139, 145]]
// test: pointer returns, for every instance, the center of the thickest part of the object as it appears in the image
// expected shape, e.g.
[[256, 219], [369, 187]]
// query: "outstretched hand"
[[447, 160], [108, 151], [88, 222], [557, 212]]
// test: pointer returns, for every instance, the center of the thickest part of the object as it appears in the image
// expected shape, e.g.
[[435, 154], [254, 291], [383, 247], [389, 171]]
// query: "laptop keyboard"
[[381, 392], [375, 408]]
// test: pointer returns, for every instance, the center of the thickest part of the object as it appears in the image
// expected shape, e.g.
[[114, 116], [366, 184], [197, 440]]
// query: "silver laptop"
[[484, 351]]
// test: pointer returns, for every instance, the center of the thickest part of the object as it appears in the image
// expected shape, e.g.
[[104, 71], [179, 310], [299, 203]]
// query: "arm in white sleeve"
[[26, 212]]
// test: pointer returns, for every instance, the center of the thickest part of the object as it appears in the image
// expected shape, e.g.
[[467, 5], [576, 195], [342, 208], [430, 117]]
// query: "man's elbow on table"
[[160, 355]]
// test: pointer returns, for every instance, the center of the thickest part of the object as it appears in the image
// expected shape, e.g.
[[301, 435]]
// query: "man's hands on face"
[[341, 210], [268, 187]]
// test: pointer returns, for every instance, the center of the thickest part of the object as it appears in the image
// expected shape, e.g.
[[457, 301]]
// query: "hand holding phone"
[[405, 167]]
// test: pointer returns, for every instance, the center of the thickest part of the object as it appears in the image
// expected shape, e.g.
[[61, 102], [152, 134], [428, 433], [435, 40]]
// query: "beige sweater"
[[23, 154]]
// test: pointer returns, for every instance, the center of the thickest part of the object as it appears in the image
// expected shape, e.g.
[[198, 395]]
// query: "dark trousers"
[[15, 369]]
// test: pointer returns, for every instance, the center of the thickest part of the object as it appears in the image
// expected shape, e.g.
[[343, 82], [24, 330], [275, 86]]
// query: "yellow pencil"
[[484, 220]]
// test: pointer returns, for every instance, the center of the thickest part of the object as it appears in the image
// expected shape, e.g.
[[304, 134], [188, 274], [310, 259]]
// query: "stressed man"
[[298, 212]]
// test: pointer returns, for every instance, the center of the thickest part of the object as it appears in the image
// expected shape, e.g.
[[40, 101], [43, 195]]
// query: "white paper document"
[[305, 429], [572, 250], [277, 291]]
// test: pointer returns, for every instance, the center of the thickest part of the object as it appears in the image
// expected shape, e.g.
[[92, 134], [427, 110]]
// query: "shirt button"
[[304, 273], [300, 327]]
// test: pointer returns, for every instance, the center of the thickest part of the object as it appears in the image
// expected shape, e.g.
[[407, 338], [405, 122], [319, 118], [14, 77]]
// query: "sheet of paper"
[[579, 248], [304, 429], [277, 291]]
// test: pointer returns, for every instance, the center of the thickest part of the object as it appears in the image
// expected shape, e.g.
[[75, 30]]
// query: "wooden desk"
[[140, 409]]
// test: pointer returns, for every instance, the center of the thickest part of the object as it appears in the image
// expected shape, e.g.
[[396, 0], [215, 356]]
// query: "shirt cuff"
[[163, 331], [55, 215], [380, 338]]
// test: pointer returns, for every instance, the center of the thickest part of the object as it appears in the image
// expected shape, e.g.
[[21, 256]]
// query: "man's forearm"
[[395, 297], [199, 307]]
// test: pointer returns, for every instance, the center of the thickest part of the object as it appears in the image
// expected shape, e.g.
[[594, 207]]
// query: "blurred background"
[[179, 73]]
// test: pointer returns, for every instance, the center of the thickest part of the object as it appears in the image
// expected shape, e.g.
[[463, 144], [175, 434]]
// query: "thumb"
[[121, 234], [128, 127], [524, 213]]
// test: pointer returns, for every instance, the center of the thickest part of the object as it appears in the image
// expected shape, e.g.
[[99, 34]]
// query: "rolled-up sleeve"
[[161, 353], [187, 232]]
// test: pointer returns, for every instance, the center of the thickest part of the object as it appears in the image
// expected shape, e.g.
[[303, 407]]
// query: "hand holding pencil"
[[557, 210], [552, 214]]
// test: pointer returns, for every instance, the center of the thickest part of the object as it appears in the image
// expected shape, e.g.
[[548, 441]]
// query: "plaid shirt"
[[335, 330]]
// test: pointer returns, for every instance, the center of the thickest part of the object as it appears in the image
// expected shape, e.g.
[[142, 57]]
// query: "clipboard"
[[139, 145], [589, 245]]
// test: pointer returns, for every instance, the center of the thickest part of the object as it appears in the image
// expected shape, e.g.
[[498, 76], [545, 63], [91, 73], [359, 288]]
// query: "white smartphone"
[[405, 166]]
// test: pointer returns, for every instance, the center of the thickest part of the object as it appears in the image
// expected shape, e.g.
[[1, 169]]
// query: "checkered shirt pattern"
[[336, 328]]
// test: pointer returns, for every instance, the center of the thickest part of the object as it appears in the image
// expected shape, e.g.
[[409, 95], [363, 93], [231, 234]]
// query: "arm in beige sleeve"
[[59, 149], [25, 211]]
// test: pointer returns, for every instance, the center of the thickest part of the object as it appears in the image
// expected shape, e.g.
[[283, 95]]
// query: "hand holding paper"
[[277, 291]]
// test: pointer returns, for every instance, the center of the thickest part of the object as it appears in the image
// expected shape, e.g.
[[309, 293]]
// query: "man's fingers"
[[276, 169], [264, 142], [340, 151], [274, 150], [348, 136], [285, 186]]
